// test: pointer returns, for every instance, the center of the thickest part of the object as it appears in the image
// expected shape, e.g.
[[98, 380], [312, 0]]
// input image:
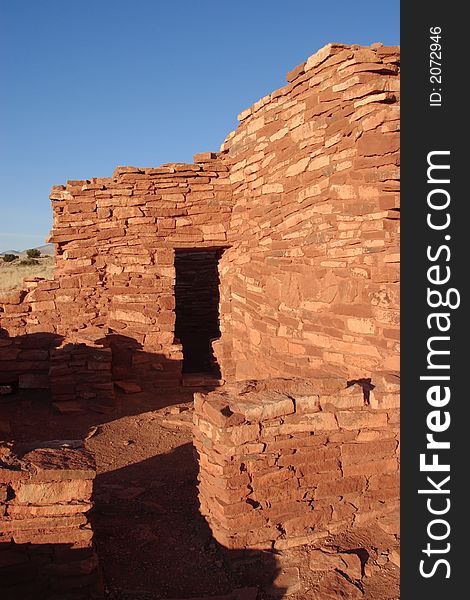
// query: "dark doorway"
[[197, 307]]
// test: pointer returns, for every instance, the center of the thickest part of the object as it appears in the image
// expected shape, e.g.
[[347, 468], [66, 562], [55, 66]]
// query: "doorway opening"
[[197, 307]]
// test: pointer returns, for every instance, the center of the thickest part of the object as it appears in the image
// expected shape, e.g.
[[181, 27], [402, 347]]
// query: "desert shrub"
[[8, 258], [29, 261], [33, 253]]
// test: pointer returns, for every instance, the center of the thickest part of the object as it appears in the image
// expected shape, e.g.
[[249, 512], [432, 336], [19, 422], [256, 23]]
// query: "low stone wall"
[[288, 462], [34, 309], [25, 340], [77, 370], [46, 550], [25, 360], [81, 372]]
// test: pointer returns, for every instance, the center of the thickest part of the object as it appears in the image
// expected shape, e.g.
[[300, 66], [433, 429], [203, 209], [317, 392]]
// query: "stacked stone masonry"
[[46, 550], [304, 199], [301, 210], [77, 370], [197, 306], [311, 279], [287, 462]]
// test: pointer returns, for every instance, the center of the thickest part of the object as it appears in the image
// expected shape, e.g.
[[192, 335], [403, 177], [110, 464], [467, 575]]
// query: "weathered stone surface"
[[323, 561], [307, 404], [45, 521], [285, 583], [359, 419], [128, 387], [69, 407], [70, 463], [280, 478], [33, 381], [255, 408], [300, 207], [57, 491], [333, 586]]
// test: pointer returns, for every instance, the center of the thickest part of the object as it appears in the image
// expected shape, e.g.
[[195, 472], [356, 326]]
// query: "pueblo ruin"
[[263, 280]]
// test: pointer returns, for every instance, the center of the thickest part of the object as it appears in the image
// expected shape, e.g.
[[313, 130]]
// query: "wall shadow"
[[49, 572], [150, 535], [27, 355]]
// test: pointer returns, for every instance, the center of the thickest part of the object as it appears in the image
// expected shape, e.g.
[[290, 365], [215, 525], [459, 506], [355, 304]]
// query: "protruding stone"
[[128, 387]]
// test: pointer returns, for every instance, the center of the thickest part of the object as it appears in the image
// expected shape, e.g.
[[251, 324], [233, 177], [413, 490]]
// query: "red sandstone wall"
[[311, 280], [46, 546], [305, 193], [115, 243], [31, 310], [284, 463], [78, 368], [115, 240]]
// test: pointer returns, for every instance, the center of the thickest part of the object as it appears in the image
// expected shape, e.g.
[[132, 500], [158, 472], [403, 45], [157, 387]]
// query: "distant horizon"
[[5, 247], [15, 251], [144, 87]]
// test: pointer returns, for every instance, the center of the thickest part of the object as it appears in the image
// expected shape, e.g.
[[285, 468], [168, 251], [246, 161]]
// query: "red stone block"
[[295, 73], [361, 419], [8, 475], [341, 487], [218, 411], [203, 157], [375, 467], [273, 478], [313, 519], [48, 493], [372, 143], [365, 451], [33, 381]]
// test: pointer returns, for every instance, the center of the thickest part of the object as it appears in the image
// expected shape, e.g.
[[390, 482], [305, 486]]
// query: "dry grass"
[[12, 274]]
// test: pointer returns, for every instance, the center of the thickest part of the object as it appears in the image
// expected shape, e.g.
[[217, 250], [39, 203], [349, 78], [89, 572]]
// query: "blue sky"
[[89, 85]]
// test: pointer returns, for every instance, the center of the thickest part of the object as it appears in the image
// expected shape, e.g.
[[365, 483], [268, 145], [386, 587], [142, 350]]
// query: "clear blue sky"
[[89, 85]]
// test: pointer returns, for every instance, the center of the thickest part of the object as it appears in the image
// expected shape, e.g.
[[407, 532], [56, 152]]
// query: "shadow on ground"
[[157, 544]]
